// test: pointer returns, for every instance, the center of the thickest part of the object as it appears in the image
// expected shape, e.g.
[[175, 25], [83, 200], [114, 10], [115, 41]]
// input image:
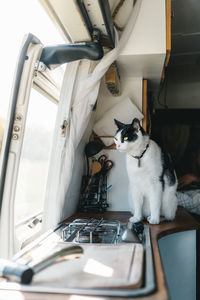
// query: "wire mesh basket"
[[93, 197]]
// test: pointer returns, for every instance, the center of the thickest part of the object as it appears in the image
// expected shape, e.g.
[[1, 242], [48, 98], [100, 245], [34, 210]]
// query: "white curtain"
[[84, 96]]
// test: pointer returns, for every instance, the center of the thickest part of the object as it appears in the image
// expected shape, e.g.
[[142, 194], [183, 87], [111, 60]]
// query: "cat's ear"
[[136, 124], [119, 124]]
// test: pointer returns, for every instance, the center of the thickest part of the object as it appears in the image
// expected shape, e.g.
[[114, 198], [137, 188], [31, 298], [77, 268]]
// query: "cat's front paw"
[[135, 219], [153, 220]]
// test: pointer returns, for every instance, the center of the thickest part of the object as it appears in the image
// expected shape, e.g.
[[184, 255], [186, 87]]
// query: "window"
[[34, 162], [18, 18], [28, 184]]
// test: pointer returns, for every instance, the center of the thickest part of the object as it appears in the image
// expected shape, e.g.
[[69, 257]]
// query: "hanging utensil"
[[95, 168], [102, 159], [91, 149], [108, 164]]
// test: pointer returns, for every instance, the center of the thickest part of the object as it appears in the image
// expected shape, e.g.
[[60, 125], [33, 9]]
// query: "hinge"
[[40, 66]]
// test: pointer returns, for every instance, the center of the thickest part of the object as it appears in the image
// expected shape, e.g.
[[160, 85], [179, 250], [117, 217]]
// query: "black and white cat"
[[152, 179]]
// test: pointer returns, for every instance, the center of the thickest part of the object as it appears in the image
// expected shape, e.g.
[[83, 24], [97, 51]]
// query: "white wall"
[[149, 34], [144, 54], [118, 195], [131, 87]]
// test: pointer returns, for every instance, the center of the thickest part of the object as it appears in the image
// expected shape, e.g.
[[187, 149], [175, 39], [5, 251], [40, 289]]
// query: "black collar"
[[139, 157]]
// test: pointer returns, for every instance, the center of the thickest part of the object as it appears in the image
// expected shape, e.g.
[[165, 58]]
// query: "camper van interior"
[[65, 201]]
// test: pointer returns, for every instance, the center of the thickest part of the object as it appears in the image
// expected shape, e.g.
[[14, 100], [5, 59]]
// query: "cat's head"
[[128, 135]]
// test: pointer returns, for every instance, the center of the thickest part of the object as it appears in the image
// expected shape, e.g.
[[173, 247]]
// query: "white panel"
[[144, 54], [146, 66], [65, 14], [149, 33], [118, 194]]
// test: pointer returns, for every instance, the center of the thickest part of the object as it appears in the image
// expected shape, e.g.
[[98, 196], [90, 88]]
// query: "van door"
[[26, 148], [29, 135]]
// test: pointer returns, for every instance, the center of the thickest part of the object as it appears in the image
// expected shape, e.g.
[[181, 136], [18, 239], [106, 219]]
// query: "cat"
[[152, 179]]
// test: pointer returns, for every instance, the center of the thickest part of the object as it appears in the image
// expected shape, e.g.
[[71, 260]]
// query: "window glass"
[[34, 162], [18, 18]]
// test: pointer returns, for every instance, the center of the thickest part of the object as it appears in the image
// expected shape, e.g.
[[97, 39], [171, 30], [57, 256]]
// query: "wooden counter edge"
[[168, 37]]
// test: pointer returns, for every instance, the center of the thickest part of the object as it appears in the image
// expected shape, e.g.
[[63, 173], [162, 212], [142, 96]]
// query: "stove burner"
[[86, 239], [92, 231]]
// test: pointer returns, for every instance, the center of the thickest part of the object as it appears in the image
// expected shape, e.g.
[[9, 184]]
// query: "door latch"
[[63, 128]]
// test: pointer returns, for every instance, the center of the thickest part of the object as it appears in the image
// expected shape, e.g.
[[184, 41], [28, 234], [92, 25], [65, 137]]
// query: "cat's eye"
[[125, 138]]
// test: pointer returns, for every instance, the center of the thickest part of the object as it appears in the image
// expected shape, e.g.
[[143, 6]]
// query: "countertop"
[[183, 222]]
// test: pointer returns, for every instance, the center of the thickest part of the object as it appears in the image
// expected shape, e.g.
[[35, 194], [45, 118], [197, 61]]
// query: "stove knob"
[[138, 228]]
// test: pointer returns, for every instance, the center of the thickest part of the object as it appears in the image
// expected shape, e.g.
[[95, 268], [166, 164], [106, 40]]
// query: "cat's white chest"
[[148, 170], [138, 168]]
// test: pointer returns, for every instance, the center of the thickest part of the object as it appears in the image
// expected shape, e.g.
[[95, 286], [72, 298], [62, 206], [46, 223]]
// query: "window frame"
[[27, 76], [44, 84]]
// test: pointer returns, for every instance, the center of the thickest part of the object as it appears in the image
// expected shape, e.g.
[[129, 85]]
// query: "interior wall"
[[118, 194], [131, 87], [183, 87]]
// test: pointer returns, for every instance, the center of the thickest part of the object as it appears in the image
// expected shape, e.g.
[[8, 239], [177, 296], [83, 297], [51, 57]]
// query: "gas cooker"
[[95, 236], [100, 231], [97, 231]]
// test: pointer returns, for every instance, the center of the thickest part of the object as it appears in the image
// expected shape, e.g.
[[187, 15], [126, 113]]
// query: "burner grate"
[[92, 231]]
